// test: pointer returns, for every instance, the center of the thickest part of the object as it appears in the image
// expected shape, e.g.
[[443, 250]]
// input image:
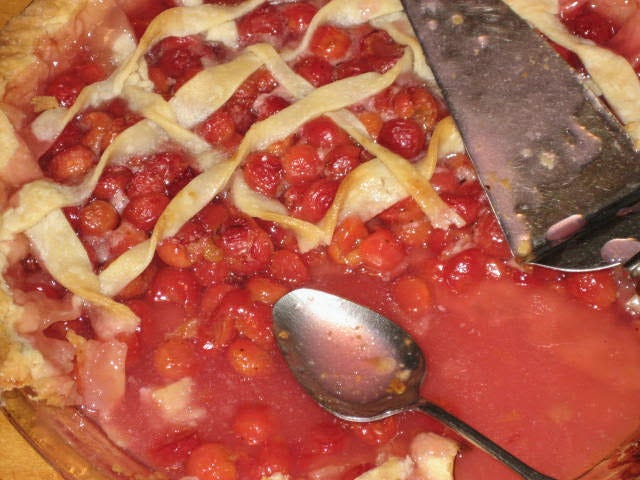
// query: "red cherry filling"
[[263, 172], [588, 23], [174, 60], [205, 300], [67, 86], [316, 70], [331, 43]]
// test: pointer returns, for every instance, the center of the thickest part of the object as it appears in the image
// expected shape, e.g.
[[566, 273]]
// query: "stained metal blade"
[[554, 161]]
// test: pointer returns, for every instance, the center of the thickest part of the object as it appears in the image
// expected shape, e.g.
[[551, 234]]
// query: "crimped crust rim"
[[21, 36]]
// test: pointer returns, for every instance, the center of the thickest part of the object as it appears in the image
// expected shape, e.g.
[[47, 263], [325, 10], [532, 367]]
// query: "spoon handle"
[[479, 440]]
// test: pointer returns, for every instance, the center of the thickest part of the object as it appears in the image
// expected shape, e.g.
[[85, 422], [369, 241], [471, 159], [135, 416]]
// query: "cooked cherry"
[[280, 237], [161, 81], [264, 24], [298, 16], [102, 129], [273, 458], [247, 248], [316, 70], [181, 181], [588, 23], [176, 449], [269, 105], [71, 165], [217, 333], [73, 216], [145, 182], [213, 296], [213, 216], [404, 211], [324, 438], [235, 303], [346, 238], [256, 325], [139, 285], [301, 164], [144, 210], [340, 160], [98, 218], [253, 424], [372, 122], [364, 64], [125, 237], [381, 252], [489, 236], [402, 136], [210, 272], [322, 132], [174, 253], [114, 180], [175, 358], [211, 461], [167, 166], [175, 286], [415, 234], [315, 200], [263, 173], [67, 86], [261, 81], [380, 44], [144, 12], [412, 295], [466, 206], [464, 269], [265, 290], [426, 108], [242, 116], [218, 128], [444, 181], [330, 42], [248, 359], [288, 267], [180, 56], [402, 104]]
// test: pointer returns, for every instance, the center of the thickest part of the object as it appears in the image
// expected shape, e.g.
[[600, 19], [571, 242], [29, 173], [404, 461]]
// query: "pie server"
[[560, 171]]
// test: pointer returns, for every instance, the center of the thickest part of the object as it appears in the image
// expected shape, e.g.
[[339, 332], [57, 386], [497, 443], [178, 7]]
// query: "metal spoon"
[[361, 366]]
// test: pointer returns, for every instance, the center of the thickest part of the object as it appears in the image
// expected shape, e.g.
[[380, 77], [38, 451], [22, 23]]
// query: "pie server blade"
[[560, 171]]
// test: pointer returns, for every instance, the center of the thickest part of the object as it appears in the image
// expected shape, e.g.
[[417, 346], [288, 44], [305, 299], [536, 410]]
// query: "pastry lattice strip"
[[171, 121], [75, 270]]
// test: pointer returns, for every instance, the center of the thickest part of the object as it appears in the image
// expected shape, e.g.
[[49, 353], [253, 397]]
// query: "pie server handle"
[[560, 171]]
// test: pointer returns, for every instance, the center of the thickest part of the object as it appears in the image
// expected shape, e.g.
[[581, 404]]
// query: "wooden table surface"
[[8, 8], [18, 461]]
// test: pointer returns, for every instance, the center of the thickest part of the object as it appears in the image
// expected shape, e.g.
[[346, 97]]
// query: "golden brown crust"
[[27, 43], [22, 40]]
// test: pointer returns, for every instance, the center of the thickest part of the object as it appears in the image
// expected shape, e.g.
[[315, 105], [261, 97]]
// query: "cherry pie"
[[169, 169]]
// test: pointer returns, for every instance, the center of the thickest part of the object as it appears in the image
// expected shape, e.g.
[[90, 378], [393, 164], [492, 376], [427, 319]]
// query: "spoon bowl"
[[361, 366], [360, 371]]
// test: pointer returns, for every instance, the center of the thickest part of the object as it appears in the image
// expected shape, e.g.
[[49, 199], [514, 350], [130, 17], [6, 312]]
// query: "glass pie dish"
[[186, 291], [79, 450]]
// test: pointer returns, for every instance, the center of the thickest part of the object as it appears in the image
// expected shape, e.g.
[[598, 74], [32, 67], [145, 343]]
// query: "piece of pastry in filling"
[[169, 169]]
